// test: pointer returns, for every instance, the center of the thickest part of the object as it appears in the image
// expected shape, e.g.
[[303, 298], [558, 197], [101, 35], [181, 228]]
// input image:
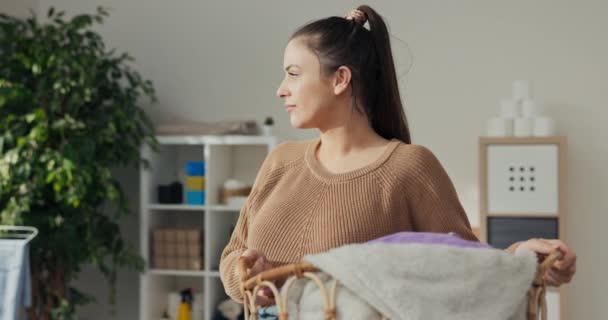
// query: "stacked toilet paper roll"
[[523, 127], [529, 108], [544, 127], [499, 127], [503, 125], [520, 115]]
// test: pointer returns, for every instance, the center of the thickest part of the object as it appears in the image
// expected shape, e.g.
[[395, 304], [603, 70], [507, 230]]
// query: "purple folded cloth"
[[450, 239]]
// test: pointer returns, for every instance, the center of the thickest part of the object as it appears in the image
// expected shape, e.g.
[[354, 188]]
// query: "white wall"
[[222, 60], [19, 8]]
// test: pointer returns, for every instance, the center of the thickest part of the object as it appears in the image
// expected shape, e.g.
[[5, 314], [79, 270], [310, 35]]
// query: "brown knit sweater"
[[297, 207]]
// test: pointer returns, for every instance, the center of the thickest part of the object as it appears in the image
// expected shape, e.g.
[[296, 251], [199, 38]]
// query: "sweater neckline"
[[322, 173]]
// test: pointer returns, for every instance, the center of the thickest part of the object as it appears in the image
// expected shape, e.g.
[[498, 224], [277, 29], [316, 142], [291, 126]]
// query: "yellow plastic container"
[[183, 311], [195, 183]]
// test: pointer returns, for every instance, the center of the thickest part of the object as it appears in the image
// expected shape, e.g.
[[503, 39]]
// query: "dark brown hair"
[[367, 53]]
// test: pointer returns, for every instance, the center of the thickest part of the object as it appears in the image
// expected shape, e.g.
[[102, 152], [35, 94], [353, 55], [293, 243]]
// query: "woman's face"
[[308, 96]]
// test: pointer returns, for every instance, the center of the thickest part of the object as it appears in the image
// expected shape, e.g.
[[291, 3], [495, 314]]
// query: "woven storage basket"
[[249, 287]]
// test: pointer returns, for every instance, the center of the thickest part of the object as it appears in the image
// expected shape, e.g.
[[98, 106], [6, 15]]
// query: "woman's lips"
[[290, 107]]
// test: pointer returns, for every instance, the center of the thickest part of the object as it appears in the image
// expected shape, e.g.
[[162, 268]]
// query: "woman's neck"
[[354, 136]]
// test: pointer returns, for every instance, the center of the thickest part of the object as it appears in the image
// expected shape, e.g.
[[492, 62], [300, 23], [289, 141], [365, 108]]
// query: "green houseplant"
[[69, 113]]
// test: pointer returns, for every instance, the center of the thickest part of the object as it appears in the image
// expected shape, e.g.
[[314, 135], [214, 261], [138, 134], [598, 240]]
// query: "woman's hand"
[[257, 263], [562, 270]]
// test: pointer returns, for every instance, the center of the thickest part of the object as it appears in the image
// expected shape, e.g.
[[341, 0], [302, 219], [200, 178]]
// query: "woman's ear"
[[341, 81]]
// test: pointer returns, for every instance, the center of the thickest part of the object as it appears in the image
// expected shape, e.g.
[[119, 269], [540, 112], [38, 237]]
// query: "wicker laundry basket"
[[249, 287]]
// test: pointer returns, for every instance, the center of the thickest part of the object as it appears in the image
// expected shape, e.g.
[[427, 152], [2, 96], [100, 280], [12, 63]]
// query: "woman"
[[362, 178]]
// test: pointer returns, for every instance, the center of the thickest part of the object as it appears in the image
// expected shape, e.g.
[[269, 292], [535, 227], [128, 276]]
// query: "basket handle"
[[537, 303], [279, 273], [553, 256]]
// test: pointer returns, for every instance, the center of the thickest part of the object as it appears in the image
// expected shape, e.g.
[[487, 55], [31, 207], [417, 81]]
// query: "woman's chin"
[[301, 123], [295, 123]]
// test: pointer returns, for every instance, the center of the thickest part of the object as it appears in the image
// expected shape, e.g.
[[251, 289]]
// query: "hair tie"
[[356, 15]]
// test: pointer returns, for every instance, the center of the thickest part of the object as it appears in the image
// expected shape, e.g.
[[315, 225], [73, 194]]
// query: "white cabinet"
[[225, 157]]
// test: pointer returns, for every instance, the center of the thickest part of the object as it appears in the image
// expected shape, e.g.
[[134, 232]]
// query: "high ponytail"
[[339, 41]]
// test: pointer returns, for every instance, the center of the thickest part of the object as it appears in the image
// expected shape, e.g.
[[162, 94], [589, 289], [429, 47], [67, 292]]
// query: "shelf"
[[190, 207], [226, 157], [183, 273], [219, 140], [177, 207]]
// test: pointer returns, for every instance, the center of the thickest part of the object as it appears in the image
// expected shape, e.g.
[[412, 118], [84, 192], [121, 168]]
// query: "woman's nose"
[[282, 92]]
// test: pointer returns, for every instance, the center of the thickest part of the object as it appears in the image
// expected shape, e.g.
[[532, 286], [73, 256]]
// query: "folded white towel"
[[418, 281]]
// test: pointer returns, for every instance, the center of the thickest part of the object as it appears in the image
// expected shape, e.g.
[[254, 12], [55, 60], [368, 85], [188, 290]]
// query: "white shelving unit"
[[523, 195], [225, 157]]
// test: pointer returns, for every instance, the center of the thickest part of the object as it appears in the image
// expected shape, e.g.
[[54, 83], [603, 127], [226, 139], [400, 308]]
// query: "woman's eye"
[[292, 74]]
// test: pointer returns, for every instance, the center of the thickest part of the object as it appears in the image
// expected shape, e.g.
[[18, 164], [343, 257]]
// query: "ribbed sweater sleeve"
[[231, 254], [237, 244], [434, 203]]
